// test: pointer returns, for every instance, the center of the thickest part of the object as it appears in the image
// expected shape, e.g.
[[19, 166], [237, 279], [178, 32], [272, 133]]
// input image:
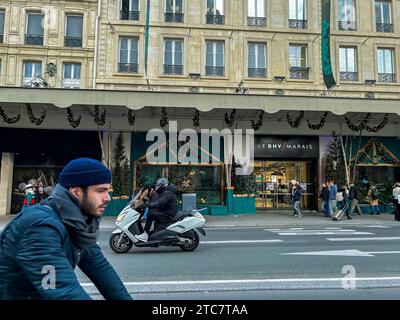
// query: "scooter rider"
[[161, 210]]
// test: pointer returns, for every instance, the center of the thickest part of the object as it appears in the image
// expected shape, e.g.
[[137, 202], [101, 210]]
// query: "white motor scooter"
[[180, 232]]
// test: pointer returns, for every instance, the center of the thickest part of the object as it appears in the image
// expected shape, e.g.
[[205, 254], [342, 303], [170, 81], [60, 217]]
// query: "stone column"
[[6, 178]]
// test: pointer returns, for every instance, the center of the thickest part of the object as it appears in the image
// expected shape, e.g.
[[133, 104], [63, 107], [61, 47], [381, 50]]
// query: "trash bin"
[[188, 201]]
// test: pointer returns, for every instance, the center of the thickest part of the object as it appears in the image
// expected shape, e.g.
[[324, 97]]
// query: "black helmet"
[[161, 184]]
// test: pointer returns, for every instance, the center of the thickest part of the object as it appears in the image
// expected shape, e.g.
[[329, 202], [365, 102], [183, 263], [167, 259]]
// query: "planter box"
[[115, 206], [243, 204], [383, 208]]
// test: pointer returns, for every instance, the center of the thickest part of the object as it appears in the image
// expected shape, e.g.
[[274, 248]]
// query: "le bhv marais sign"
[[286, 146]]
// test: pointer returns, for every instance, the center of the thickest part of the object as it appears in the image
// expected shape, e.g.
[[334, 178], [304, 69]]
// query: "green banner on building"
[[329, 80], [146, 45]]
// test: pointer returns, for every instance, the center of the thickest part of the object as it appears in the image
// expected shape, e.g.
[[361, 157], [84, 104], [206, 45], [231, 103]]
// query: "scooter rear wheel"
[[119, 245], [195, 240]]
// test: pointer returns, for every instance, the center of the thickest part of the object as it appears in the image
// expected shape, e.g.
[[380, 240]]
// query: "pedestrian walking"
[[353, 197], [29, 196], [41, 246], [324, 196], [396, 200], [373, 196], [344, 203], [297, 191], [332, 196]]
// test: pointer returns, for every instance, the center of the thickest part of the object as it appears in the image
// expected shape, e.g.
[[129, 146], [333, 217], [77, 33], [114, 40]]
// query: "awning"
[[135, 100]]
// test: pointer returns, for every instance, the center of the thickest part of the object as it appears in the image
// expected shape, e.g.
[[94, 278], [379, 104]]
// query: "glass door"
[[273, 183]]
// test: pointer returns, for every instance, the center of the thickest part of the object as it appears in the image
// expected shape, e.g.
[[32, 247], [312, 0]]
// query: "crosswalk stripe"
[[364, 239]]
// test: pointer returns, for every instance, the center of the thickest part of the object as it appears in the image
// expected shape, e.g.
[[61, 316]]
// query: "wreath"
[[320, 124], [74, 123], [257, 125], [229, 120], [131, 117], [296, 123], [99, 119], [196, 118], [380, 126], [8, 119], [361, 126], [164, 117], [32, 118]]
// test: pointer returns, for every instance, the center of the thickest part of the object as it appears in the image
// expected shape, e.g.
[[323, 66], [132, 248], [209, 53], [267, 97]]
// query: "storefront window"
[[204, 180]]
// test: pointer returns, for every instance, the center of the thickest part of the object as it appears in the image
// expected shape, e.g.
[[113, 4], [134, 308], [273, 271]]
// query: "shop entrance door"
[[273, 179]]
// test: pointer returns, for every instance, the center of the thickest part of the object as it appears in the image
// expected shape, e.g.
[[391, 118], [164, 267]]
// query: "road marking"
[[382, 227], [364, 239], [344, 253], [241, 241], [315, 233]]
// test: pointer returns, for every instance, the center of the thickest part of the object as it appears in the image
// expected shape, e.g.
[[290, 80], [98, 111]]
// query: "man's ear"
[[76, 191]]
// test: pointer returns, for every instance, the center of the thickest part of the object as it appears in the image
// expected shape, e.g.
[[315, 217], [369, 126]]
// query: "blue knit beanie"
[[84, 172]]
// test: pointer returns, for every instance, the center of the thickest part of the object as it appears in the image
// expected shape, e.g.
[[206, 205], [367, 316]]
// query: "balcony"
[[128, 67], [1, 38], [215, 19], [215, 71], [75, 42], [384, 27], [256, 21], [130, 15], [173, 69], [297, 24], [347, 25], [300, 73], [386, 77], [257, 72], [34, 39], [173, 17], [71, 83], [348, 76]]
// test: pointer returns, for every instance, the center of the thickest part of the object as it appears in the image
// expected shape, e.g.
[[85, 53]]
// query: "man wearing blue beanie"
[[41, 246]]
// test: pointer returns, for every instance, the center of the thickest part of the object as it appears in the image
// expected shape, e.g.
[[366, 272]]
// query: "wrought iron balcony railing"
[[130, 15], [173, 69], [384, 27], [347, 25], [75, 42], [34, 39], [299, 73], [215, 71], [257, 21], [173, 17], [386, 77], [257, 72], [128, 67], [348, 76], [215, 19], [298, 24]]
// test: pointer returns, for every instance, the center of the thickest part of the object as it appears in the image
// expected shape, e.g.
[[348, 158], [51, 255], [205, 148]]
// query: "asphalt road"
[[260, 263]]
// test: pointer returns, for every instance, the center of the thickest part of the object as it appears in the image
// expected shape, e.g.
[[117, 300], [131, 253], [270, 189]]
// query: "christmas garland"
[[296, 123], [320, 124], [196, 118], [131, 117], [99, 119], [164, 117], [70, 117], [380, 126], [32, 118], [366, 151], [383, 154], [7, 119], [361, 126], [257, 125], [229, 120]]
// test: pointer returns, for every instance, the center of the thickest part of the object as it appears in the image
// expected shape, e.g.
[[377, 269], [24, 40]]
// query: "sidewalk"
[[269, 219]]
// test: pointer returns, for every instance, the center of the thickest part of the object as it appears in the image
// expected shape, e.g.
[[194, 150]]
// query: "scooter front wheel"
[[194, 241], [120, 243]]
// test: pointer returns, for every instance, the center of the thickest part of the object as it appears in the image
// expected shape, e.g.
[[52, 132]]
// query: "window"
[[173, 52], [130, 10], [73, 31], [383, 16], [215, 12], [256, 13], [72, 75], [346, 15], [386, 65], [32, 73], [174, 11], [348, 64], [128, 55], [256, 60], [1, 25], [215, 58], [298, 61], [34, 29], [297, 14]]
